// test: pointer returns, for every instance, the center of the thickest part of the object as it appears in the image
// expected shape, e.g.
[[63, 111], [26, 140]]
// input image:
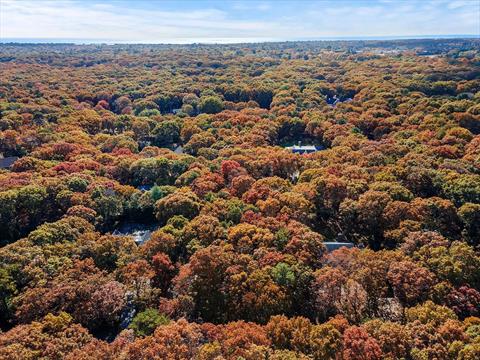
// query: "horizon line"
[[227, 41]]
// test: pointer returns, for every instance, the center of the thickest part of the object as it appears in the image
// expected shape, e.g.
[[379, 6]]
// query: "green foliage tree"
[[145, 322], [211, 104]]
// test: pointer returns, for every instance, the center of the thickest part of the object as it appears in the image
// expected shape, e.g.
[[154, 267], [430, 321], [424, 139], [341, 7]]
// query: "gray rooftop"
[[303, 148], [5, 163], [334, 245]]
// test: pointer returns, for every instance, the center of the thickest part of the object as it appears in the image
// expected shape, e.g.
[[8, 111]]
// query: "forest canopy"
[[153, 204]]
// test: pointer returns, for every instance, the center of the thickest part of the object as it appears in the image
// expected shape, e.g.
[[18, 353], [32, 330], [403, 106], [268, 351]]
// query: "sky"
[[189, 21]]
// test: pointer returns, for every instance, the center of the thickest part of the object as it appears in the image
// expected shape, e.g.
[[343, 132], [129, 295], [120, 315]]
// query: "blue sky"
[[234, 21]]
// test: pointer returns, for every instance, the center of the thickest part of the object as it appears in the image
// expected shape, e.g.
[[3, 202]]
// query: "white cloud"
[[461, 3], [68, 19]]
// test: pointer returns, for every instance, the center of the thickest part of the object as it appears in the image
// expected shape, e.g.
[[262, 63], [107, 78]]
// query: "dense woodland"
[[192, 141]]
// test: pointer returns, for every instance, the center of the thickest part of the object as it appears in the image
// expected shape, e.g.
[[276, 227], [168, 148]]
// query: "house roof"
[[304, 147], [5, 163], [334, 245], [145, 187]]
